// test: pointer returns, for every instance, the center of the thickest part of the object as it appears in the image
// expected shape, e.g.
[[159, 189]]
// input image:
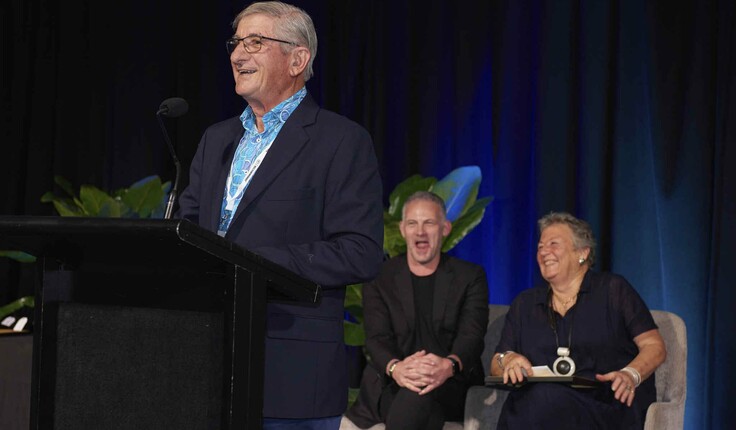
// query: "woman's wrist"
[[500, 358], [635, 375]]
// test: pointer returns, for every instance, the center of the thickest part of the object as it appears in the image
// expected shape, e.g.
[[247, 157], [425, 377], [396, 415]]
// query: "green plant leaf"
[[18, 256], [354, 301], [68, 207], [406, 188], [466, 223], [114, 208], [352, 396], [459, 189], [393, 243], [354, 333], [160, 211], [64, 185], [354, 295], [145, 196], [93, 199], [14, 306]]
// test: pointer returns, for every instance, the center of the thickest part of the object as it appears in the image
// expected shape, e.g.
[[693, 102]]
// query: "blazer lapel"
[[442, 285], [290, 140], [405, 294]]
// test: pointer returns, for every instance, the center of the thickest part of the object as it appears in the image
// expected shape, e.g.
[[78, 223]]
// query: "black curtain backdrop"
[[621, 112]]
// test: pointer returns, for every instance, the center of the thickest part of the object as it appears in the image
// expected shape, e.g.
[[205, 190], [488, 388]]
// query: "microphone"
[[173, 107]]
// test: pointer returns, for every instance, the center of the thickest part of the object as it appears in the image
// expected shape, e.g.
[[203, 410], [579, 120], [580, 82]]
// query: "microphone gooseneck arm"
[[177, 165], [171, 108]]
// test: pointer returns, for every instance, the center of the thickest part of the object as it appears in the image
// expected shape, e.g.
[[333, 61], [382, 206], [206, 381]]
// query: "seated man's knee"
[[409, 410]]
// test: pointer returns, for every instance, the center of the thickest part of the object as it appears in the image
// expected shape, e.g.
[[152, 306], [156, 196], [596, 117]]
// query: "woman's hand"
[[515, 368], [652, 353], [622, 383]]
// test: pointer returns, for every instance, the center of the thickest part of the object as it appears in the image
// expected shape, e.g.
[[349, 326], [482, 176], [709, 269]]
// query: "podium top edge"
[[45, 230]]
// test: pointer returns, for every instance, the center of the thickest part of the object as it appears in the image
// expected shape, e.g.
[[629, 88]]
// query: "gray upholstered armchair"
[[483, 405]]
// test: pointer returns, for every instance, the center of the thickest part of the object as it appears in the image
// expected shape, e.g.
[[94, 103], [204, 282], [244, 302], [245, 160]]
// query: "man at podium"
[[298, 185]]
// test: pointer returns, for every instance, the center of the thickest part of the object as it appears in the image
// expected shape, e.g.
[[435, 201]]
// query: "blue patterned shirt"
[[251, 151]]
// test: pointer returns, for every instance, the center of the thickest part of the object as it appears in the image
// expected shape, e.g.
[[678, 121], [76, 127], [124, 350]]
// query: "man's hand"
[[407, 373], [436, 370], [422, 372]]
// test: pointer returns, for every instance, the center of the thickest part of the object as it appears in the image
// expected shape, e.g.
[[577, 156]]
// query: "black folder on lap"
[[572, 381]]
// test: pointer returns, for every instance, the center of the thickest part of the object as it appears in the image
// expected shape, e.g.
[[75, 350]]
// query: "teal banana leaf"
[[466, 223], [459, 189]]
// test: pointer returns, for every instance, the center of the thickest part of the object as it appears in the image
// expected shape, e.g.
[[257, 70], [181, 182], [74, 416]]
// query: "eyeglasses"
[[252, 44]]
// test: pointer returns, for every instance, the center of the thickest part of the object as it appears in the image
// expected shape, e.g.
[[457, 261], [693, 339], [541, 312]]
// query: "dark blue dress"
[[606, 318]]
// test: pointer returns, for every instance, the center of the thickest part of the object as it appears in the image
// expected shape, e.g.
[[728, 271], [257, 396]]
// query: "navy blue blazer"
[[314, 207]]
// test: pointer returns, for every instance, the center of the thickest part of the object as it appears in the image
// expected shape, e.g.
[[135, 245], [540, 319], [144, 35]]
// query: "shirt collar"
[[275, 116]]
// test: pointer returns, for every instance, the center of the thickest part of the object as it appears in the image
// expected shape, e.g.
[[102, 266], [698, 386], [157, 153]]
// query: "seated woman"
[[589, 324]]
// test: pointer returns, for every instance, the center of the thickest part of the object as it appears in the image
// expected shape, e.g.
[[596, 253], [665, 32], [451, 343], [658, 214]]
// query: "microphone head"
[[173, 107]]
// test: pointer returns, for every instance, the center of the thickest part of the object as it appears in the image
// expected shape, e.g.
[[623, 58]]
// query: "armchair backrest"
[[671, 376], [496, 320]]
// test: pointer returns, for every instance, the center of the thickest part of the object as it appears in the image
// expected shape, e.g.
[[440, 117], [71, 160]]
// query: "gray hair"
[[582, 234], [426, 196], [290, 23]]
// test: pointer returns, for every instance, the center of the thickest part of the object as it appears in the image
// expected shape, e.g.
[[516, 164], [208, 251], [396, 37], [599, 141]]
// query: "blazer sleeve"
[[380, 337], [472, 320]]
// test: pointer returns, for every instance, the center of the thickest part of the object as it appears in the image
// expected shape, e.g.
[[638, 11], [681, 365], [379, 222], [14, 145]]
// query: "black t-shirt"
[[425, 338]]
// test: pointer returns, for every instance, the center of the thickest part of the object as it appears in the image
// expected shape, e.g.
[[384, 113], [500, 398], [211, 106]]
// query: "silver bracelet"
[[634, 374], [500, 357]]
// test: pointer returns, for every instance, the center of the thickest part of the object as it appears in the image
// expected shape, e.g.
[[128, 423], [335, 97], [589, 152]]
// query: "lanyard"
[[231, 199]]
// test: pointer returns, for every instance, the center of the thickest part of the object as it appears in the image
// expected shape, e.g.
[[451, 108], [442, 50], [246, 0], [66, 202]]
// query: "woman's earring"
[[581, 261]]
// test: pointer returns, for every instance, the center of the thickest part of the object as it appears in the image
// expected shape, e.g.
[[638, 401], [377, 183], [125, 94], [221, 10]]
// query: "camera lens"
[[563, 368]]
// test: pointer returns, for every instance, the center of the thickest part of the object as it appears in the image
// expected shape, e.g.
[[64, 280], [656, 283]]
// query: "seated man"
[[425, 319]]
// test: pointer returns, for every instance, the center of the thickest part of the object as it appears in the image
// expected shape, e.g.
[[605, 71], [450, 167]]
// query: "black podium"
[[147, 323]]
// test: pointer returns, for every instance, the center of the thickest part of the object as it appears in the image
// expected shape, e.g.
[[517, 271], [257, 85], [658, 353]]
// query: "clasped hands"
[[422, 372], [516, 367]]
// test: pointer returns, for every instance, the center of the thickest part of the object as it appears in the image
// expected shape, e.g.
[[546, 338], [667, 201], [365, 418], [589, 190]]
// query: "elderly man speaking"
[[300, 186]]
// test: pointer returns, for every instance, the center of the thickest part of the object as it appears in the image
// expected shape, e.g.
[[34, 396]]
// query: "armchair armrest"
[[660, 415], [483, 407]]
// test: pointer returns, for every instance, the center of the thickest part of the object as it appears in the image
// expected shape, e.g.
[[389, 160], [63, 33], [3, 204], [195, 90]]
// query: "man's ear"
[[299, 60], [447, 228], [401, 229]]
